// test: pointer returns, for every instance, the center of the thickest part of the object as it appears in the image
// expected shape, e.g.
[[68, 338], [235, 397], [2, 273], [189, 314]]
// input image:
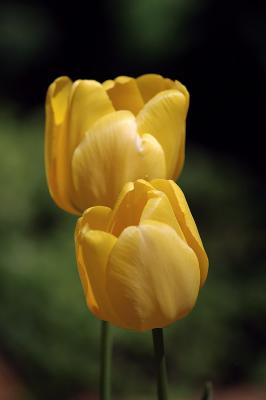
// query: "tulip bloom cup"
[[100, 136], [141, 263]]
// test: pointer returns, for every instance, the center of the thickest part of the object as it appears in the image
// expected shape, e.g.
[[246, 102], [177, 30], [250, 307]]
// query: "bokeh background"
[[49, 342]]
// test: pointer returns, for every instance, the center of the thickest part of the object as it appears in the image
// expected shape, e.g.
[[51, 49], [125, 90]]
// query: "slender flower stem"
[[106, 355], [158, 346], [208, 392]]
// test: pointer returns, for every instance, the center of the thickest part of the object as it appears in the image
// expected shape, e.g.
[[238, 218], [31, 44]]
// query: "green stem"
[[158, 346], [208, 392], [106, 355]]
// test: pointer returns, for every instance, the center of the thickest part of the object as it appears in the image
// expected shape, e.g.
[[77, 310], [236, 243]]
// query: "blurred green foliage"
[[152, 27], [51, 338], [25, 34]]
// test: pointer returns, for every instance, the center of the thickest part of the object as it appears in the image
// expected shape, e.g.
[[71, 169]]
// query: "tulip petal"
[[108, 84], [89, 102], [124, 94], [182, 88], [112, 154], [97, 218], [93, 248], [57, 100], [129, 206], [186, 221], [71, 109], [181, 156], [151, 84], [152, 276], [158, 208], [58, 94], [164, 117], [86, 285]]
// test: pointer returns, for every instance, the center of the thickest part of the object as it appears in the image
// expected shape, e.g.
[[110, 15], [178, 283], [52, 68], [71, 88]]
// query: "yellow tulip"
[[100, 136], [141, 263]]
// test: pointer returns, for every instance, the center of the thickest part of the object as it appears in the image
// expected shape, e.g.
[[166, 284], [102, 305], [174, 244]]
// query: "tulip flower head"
[[100, 136], [141, 263]]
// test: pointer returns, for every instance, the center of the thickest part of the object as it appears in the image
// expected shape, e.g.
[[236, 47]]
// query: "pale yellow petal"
[[151, 84], [182, 88], [112, 154], [71, 109], [58, 96], [164, 117], [86, 285], [181, 156], [56, 156], [186, 221], [89, 102], [108, 84], [93, 248], [153, 160], [158, 208], [97, 217], [124, 94], [129, 206], [152, 276]]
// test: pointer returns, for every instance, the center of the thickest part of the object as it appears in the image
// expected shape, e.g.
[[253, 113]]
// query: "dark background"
[[217, 48], [48, 339]]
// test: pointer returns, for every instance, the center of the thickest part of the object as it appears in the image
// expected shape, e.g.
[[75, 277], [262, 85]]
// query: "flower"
[[141, 264], [100, 136]]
